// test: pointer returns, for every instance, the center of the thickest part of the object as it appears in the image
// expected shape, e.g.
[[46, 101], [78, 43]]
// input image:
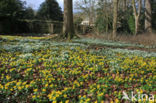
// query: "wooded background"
[[106, 16]]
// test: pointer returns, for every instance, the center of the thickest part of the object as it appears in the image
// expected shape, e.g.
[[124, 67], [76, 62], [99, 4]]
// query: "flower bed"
[[45, 71]]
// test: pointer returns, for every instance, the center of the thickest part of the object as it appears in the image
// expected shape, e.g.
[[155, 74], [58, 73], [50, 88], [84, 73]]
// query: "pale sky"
[[36, 3]]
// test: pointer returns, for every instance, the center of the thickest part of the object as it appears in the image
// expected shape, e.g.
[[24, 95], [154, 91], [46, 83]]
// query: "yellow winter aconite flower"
[[54, 98], [88, 99], [11, 89], [98, 86], [19, 88], [151, 102], [54, 102], [12, 69], [111, 102], [117, 101], [46, 85], [6, 87], [27, 86], [101, 94], [35, 90], [67, 101], [43, 90], [79, 96], [1, 86], [141, 91], [34, 96], [8, 77], [96, 102], [64, 95]]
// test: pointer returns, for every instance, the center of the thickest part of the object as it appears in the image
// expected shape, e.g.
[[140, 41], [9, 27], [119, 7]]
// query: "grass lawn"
[[37, 69]]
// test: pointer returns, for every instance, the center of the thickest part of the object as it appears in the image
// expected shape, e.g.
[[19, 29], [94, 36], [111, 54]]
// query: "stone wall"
[[37, 26], [30, 26]]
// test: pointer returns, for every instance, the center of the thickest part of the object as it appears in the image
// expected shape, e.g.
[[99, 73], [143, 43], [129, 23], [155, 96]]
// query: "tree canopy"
[[11, 8], [29, 13], [50, 10]]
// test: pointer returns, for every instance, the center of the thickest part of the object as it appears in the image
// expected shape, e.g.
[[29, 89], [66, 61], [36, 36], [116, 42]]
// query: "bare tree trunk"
[[115, 17], [68, 26], [124, 5], [148, 16], [91, 12], [137, 14], [136, 25]]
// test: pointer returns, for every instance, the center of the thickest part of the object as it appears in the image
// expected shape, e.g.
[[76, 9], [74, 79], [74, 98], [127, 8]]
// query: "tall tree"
[[50, 10], [153, 14], [11, 8], [68, 26], [137, 13], [148, 16], [10, 12], [115, 17], [29, 13], [104, 18]]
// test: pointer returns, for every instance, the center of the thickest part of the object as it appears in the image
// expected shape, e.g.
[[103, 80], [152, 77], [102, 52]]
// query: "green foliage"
[[11, 8], [104, 17], [131, 24], [100, 24], [10, 12], [123, 17], [77, 20], [29, 13], [103, 25], [50, 10]]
